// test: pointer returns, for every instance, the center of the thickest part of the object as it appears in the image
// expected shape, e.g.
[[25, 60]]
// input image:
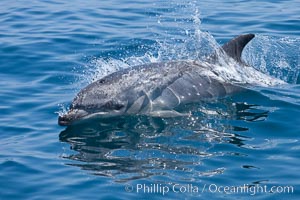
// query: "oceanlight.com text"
[[164, 189]]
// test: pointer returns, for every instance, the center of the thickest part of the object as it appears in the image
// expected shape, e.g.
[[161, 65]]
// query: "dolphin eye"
[[113, 105], [118, 107]]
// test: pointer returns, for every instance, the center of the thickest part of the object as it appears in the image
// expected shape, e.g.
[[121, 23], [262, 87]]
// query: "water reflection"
[[128, 148]]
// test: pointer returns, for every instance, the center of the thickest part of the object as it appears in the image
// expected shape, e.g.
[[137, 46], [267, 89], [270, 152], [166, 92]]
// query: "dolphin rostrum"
[[155, 89]]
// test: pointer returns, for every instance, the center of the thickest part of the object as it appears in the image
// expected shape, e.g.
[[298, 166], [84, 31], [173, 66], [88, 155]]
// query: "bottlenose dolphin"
[[155, 89]]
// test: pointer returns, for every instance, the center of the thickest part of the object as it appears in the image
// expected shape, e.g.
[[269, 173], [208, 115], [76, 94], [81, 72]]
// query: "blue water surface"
[[50, 49]]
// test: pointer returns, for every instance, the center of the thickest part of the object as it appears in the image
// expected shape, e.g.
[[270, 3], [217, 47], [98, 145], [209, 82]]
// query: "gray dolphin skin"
[[154, 89]]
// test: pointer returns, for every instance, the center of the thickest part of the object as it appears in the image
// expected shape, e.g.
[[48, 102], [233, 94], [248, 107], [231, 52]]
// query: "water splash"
[[277, 57], [63, 109], [195, 44], [191, 42]]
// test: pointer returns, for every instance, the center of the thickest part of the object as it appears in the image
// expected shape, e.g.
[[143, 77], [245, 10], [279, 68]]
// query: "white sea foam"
[[277, 57]]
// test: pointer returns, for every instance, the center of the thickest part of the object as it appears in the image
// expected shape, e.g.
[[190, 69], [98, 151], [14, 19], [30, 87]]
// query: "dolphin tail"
[[234, 47]]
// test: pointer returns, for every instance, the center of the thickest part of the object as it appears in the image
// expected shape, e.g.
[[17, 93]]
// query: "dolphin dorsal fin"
[[234, 47]]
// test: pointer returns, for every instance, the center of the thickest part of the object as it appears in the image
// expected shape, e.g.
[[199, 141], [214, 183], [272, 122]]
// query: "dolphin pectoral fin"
[[234, 47], [136, 106], [167, 114]]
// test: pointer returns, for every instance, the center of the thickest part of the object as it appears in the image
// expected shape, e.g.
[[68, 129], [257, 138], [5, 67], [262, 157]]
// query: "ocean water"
[[241, 147]]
